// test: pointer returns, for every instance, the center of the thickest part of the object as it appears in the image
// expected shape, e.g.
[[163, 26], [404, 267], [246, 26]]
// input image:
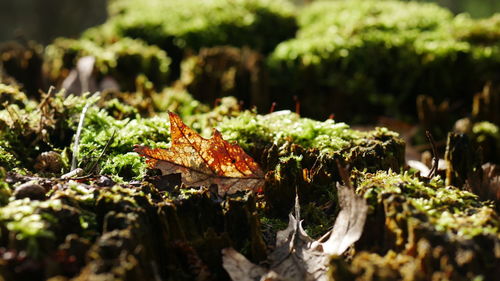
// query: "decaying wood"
[[461, 160]]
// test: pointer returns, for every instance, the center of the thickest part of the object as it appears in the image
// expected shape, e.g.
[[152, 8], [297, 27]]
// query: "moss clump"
[[11, 94], [118, 137], [373, 149], [7, 159], [112, 128], [29, 129], [39, 226], [486, 129], [341, 45], [421, 230], [178, 101], [148, 102], [123, 60], [388, 16], [29, 222], [481, 32], [250, 130], [427, 262], [120, 196], [5, 190], [124, 166], [458, 213], [413, 222], [194, 24], [301, 153], [486, 135]]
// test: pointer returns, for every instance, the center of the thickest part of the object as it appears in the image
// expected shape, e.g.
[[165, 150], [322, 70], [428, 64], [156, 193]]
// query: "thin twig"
[[43, 113], [297, 104], [46, 96], [43, 102], [297, 206], [14, 116], [435, 159], [110, 140], [273, 107], [76, 145]]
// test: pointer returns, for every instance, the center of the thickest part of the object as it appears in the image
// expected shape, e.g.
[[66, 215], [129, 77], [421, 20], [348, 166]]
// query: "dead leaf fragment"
[[297, 256], [203, 161], [239, 268], [349, 224]]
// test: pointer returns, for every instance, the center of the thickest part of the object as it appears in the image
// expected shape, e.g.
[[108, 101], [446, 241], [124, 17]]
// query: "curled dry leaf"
[[203, 161], [297, 256]]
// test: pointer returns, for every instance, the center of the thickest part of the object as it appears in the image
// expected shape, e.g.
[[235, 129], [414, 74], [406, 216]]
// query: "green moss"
[[273, 223], [250, 129], [341, 46], [195, 24], [372, 150], [30, 129], [487, 137], [124, 166], [449, 210], [427, 262], [83, 194], [28, 222], [486, 129], [111, 127], [301, 154], [148, 102], [10, 94], [119, 195], [388, 16], [122, 136], [120, 110], [7, 159], [178, 101], [123, 60], [483, 31], [5, 190], [204, 122]]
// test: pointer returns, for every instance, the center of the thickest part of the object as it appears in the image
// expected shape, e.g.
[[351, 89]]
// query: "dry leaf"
[[203, 161], [298, 256]]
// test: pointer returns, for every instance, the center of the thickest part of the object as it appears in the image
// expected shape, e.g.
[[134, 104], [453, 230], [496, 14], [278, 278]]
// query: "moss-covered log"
[[418, 230], [149, 228], [384, 53], [122, 221]]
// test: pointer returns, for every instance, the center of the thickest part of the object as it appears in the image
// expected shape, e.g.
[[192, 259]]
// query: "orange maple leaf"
[[203, 161]]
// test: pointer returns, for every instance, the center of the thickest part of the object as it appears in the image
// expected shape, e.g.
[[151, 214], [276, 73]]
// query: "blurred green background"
[[44, 20]]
